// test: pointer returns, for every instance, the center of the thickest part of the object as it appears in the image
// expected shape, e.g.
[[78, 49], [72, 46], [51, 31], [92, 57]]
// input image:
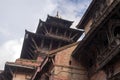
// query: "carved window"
[[117, 31], [70, 62]]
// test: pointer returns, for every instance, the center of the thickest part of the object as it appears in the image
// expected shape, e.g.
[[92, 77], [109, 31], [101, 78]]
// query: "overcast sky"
[[18, 15]]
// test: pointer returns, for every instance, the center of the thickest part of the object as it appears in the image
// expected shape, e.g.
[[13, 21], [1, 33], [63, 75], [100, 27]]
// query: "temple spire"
[[57, 15]]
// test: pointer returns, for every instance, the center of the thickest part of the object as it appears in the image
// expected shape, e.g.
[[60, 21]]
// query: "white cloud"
[[9, 51], [72, 10]]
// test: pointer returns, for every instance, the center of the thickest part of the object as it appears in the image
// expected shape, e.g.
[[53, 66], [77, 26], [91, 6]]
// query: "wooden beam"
[[10, 70], [29, 54], [35, 44], [31, 50]]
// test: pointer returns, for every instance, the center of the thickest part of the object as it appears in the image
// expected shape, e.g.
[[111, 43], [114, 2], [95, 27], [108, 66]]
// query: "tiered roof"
[[58, 21], [51, 34], [59, 32], [37, 44]]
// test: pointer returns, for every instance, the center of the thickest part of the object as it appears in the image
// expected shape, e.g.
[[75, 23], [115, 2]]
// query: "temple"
[[50, 35], [53, 52], [97, 56]]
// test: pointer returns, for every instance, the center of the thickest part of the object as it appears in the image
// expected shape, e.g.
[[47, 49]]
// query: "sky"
[[18, 15]]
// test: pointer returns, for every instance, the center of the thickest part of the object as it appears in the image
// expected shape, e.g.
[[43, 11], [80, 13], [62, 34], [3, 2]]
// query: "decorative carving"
[[100, 8]]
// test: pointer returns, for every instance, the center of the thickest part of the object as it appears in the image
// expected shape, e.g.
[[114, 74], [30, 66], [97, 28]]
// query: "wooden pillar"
[[65, 33], [56, 31]]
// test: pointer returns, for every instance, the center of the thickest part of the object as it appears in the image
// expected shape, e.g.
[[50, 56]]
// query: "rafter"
[[35, 44], [29, 54]]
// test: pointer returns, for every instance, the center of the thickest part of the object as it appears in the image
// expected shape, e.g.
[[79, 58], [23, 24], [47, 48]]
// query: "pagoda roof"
[[36, 42], [43, 26], [19, 65], [58, 21]]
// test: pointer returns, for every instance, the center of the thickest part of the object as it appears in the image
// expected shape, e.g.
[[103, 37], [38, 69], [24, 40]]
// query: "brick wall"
[[66, 68], [27, 62]]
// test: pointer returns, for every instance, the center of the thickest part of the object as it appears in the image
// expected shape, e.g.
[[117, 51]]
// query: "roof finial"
[[57, 15]]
